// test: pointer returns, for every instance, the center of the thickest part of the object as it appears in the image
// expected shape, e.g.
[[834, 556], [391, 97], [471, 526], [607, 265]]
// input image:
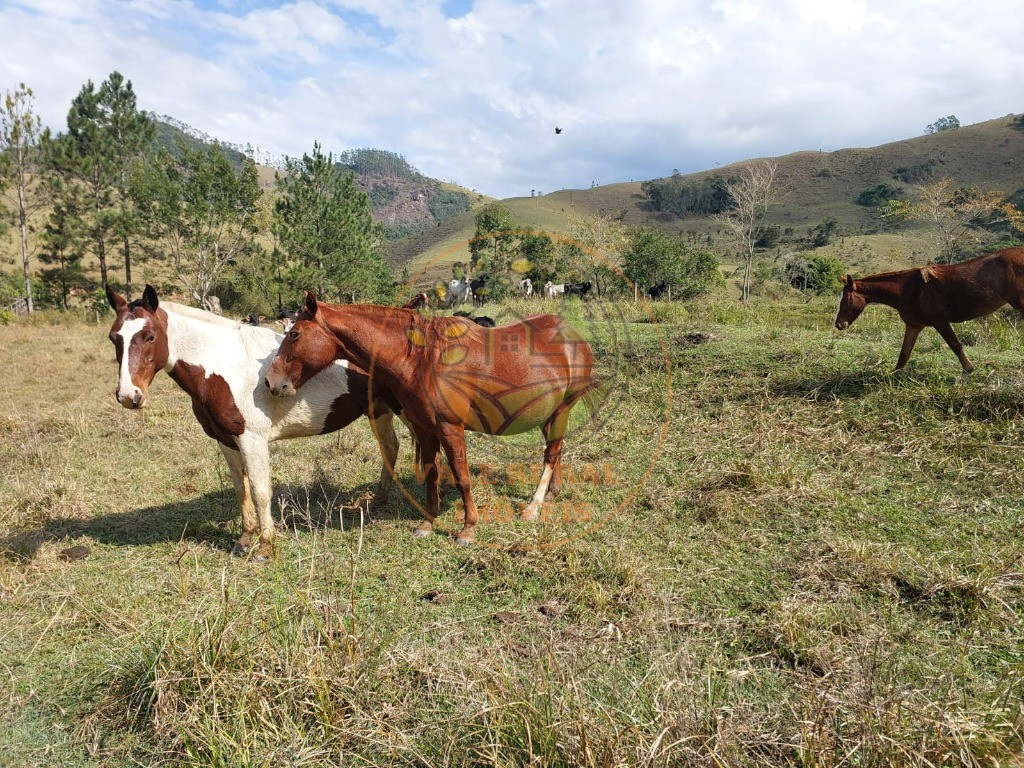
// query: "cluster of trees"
[[950, 123], [107, 189], [598, 249], [705, 197]]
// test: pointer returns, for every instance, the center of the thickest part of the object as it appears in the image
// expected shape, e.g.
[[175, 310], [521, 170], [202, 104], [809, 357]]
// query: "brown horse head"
[[307, 349], [851, 304], [139, 336]]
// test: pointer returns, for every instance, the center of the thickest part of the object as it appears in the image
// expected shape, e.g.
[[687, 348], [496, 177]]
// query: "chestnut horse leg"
[[909, 340], [453, 438], [382, 423], [427, 447], [947, 332], [554, 430], [250, 526]]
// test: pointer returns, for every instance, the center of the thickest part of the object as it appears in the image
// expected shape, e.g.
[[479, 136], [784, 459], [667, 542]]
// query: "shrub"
[[880, 194], [814, 273]]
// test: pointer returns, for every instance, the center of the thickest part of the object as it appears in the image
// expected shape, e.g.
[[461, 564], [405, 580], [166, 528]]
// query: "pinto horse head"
[[851, 304], [307, 349], [139, 336]]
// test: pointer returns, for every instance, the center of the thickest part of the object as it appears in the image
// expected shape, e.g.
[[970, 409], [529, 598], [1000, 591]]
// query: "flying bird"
[[557, 129]]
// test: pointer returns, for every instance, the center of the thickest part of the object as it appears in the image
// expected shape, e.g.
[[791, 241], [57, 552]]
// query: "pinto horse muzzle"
[[134, 398]]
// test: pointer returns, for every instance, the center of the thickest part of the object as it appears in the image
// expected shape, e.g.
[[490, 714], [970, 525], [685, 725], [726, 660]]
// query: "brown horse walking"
[[938, 295], [449, 375]]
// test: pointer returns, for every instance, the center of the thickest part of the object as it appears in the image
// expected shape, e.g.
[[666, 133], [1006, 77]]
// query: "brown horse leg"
[[947, 332], [909, 340], [250, 525], [453, 438], [429, 462], [384, 430]]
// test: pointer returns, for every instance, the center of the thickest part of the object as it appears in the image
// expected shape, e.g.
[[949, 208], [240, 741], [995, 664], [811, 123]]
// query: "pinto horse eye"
[[151, 338], [293, 335]]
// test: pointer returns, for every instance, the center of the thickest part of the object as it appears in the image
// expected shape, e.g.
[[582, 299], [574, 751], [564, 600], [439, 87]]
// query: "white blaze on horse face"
[[835, 320], [126, 389]]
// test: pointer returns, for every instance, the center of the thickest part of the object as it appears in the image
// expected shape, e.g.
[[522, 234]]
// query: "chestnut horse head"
[[307, 349], [851, 304], [139, 336]]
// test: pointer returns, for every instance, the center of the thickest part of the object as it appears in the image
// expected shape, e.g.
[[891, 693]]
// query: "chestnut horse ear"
[[311, 303], [149, 299], [849, 282], [115, 301]]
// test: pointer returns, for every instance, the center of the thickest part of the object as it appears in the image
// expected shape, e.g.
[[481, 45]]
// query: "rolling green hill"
[[819, 185]]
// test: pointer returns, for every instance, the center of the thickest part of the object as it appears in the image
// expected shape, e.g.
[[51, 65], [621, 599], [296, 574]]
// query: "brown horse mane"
[[893, 273]]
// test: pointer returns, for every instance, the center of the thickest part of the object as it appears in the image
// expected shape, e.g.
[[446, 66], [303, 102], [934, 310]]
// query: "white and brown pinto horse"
[[221, 364], [448, 375]]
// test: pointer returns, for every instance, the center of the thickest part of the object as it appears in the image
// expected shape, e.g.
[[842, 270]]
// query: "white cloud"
[[638, 88]]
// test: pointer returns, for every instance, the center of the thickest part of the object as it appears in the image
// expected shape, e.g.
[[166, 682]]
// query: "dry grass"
[[823, 569]]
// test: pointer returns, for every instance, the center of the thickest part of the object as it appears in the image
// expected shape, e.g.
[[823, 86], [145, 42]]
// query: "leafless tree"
[[19, 160], [752, 195]]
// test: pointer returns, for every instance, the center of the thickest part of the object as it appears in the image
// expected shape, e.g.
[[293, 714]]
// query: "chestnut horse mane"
[[927, 273]]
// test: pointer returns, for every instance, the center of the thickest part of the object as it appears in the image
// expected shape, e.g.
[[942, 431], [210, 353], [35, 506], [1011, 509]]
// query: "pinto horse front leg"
[[947, 333], [382, 423], [255, 453], [250, 524], [453, 438]]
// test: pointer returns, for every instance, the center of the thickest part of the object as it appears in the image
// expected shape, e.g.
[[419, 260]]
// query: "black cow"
[[577, 289], [483, 321], [656, 291], [478, 289]]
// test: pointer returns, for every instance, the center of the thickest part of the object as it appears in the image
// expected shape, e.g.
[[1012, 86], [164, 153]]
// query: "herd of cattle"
[[459, 291]]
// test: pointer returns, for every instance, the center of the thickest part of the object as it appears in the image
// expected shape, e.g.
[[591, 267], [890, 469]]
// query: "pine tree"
[[324, 226], [106, 137], [130, 137]]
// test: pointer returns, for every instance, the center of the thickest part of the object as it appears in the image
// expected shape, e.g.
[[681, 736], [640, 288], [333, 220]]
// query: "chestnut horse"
[[449, 375], [221, 364], [938, 295]]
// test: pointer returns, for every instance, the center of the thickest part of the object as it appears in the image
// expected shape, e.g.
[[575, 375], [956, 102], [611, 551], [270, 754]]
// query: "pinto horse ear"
[[115, 301], [311, 303], [149, 298]]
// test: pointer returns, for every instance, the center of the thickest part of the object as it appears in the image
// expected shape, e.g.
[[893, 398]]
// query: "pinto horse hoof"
[[462, 541], [530, 513], [240, 550]]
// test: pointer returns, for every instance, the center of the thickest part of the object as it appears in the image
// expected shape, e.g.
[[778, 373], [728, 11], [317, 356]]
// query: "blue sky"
[[471, 90]]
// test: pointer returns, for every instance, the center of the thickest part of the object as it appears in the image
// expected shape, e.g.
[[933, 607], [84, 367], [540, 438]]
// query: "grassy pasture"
[[823, 568]]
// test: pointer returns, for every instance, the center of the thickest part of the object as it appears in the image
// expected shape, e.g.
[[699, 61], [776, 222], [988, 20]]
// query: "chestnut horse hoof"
[[462, 541], [422, 531]]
